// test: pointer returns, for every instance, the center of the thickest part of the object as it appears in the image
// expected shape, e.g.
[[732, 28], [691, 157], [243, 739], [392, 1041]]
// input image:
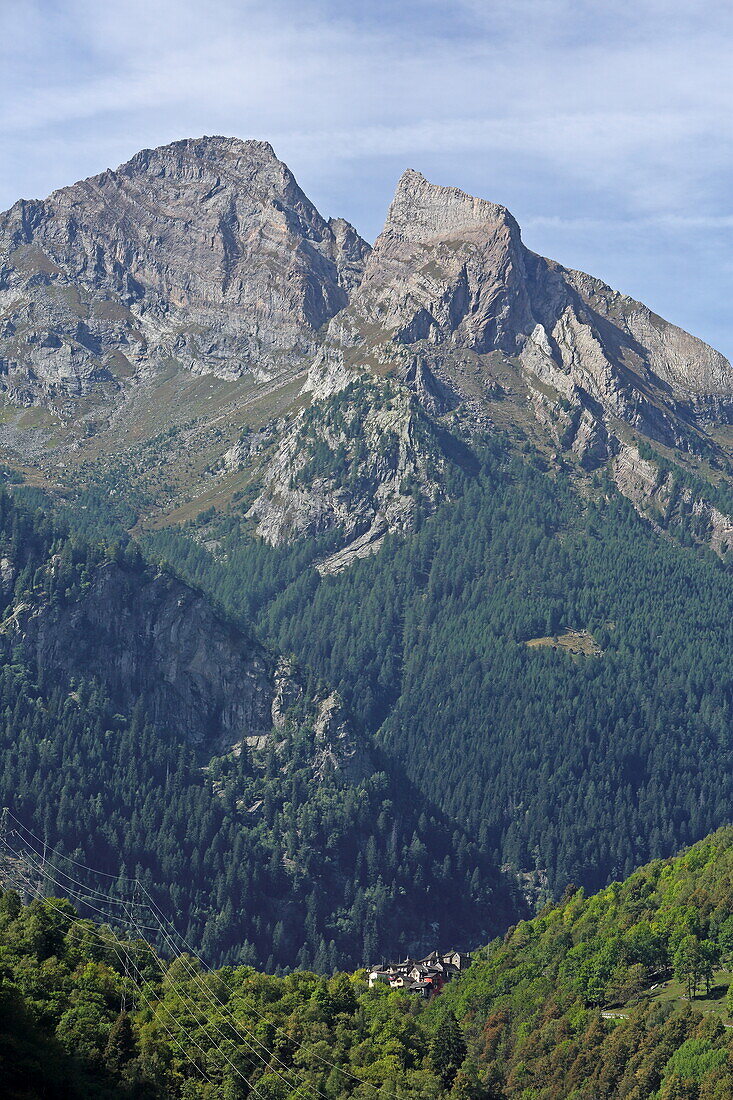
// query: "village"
[[422, 977]]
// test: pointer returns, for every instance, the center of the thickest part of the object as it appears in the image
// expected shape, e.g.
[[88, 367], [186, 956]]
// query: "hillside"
[[569, 768], [618, 994], [144, 733], [565, 1006]]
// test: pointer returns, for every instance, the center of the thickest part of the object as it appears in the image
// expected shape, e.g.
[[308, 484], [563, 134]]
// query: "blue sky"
[[604, 126]]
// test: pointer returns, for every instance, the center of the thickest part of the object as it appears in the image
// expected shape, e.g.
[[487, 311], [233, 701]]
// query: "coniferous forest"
[[256, 863], [569, 767]]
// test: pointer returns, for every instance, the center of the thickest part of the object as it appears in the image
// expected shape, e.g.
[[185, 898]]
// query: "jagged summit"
[[450, 273], [446, 267], [204, 257], [184, 159], [203, 254], [214, 145], [421, 210]]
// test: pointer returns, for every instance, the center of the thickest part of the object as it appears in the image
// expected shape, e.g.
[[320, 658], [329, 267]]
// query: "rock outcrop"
[[446, 268], [360, 462], [204, 254], [153, 641], [662, 497]]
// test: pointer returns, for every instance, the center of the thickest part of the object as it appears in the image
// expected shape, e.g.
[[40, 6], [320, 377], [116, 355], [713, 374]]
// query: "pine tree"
[[120, 1046], [447, 1050]]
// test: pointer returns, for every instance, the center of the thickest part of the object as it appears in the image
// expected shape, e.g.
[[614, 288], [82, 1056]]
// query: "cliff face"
[[658, 496], [205, 260], [446, 268], [205, 253], [152, 640], [360, 462]]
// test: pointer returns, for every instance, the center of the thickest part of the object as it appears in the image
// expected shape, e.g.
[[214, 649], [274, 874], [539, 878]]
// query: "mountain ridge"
[[195, 293], [419, 481]]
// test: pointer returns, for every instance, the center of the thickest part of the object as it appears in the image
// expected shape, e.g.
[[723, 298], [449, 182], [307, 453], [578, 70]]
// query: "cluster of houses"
[[424, 977]]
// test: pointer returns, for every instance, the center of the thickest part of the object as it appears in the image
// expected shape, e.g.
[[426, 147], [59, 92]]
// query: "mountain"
[[482, 332], [618, 995], [470, 509], [451, 271], [185, 321], [205, 254]]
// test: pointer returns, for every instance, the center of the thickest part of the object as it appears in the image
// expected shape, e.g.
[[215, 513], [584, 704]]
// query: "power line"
[[62, 855], [161, 920], [93, 933], [281, 1031], [81, 897], [190, 1004], [249, 1036]]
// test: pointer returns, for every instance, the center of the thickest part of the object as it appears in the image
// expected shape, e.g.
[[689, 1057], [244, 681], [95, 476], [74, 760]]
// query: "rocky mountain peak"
[[446, 267], [424, 211], [203, 254], [214, 147], [226, 162]]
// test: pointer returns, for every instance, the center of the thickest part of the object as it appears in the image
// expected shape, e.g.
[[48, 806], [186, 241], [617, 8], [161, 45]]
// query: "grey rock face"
[[449, 277], [151, 639], [449, 274], [337, 749], [657, 497], [359, 462], [449, 268], [446, 267], [206, 256], [205, 253], [158, 642]]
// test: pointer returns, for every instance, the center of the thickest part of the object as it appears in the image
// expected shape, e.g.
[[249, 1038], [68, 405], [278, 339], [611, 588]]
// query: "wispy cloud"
[[604, 127]]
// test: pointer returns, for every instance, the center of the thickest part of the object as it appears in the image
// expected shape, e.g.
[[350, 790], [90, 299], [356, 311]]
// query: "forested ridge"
[[646, 951], [617, 996], [570, 768], [256, 861]]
